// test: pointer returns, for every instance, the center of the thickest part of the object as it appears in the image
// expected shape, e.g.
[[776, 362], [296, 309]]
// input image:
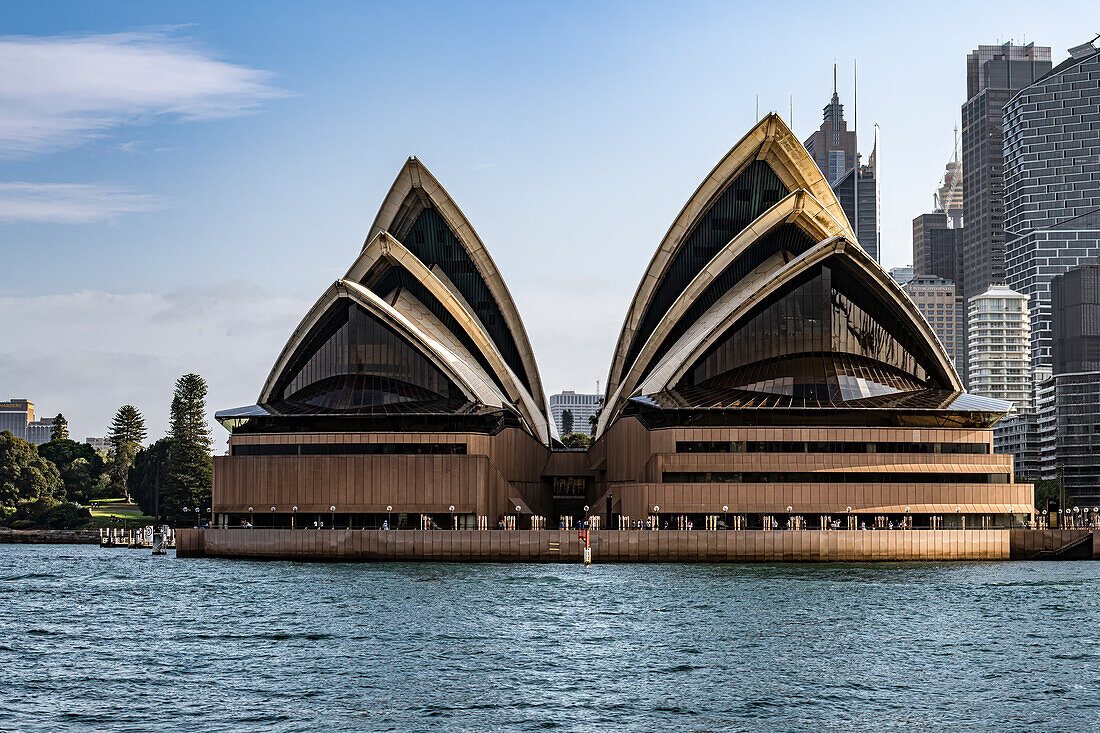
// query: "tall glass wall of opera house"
[[769, 374]]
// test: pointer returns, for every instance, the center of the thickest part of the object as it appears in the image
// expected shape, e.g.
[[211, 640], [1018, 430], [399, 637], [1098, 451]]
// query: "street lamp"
[[294, 513], [389, 509], [454, 521], [272, 517], [332, 512], [198, 517], [250, 522], [1011, 516]]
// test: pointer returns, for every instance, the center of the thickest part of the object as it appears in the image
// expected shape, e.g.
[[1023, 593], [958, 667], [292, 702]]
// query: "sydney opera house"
[[769, 374]]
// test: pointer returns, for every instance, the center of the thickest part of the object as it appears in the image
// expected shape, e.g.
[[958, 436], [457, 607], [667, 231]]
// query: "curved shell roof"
[[783, 221], [443, 293], [416, 191]]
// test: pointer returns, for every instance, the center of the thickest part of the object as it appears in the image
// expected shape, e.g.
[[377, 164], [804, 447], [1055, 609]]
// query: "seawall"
[[619, 546], [49, 536]]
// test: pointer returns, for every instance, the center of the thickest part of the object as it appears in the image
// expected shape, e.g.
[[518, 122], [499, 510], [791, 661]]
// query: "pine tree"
[[127, 433], [188, 475], [60, 428], [127, 427], [188, 422]]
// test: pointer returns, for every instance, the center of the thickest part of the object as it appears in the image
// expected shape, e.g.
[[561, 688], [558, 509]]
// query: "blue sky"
[[178, 182]]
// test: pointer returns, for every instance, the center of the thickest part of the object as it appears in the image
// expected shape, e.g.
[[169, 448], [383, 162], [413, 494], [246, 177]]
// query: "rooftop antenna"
[[855, 137], [790, 115], [757, 109], [834, 76]]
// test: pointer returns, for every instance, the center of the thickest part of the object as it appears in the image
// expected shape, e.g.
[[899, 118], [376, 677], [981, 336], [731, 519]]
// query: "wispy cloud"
[[60, 91], [70, 203]]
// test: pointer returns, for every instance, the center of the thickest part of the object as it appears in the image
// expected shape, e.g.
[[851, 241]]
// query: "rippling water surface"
[[118, 640]]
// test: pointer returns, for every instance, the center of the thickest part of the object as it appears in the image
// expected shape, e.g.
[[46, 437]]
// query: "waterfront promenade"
[[630, 546]]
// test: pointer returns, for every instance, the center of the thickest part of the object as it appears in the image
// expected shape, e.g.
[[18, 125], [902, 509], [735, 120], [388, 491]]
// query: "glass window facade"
[[430, 238], [788, 238], [825, 337], [352, 360], [752, 193]]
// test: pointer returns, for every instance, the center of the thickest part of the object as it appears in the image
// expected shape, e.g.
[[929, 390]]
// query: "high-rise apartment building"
[[573, 413], [936, 299], [993, 75], [833, 148], [999, 343], [15, 414], [1052, 184]]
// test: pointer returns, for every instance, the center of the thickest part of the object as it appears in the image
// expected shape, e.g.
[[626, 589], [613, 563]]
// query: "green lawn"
[[112, 516]]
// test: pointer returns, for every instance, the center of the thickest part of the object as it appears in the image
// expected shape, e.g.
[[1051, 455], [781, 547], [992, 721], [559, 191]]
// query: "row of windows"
[[814, 446], [352, 449], [807, 477]]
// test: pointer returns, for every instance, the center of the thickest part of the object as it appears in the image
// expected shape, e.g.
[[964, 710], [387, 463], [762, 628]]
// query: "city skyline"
[[154, 220]]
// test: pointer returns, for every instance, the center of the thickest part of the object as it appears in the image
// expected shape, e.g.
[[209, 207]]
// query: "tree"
[[60, 428], [128, 426], [577, 440], [188, 422], [594, 418], [566, 422], [187, 477], [24, 474], [126, 435], [1046, 490], [79, 464], [141, 480]]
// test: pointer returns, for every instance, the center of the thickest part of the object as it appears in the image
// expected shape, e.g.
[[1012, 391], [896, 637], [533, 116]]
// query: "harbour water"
[[118, 640]]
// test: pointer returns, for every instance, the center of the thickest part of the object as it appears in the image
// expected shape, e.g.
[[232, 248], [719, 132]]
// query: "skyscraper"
[[993, 75], [935, 246], [1075, 306], [1069, 401], [1052, 184], [833, 148]]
